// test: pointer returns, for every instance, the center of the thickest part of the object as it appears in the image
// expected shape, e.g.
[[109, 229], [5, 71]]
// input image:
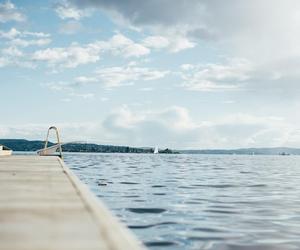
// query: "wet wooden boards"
[[43, 206]]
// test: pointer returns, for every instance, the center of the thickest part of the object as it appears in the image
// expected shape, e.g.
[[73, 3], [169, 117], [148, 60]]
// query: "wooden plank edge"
[[118, 235]]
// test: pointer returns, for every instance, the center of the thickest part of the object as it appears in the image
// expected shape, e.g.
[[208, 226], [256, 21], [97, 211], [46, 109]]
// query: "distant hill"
[[25, 145], [90, 147], [246, 151]]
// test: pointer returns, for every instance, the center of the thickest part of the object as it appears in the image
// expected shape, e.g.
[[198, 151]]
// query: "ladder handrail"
[[57, 137]]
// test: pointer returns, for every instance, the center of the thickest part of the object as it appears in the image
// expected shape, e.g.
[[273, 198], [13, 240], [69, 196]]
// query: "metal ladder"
[[46, 151]]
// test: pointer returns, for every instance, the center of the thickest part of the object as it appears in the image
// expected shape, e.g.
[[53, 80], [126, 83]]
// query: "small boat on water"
[[156, 150], [4, 151]]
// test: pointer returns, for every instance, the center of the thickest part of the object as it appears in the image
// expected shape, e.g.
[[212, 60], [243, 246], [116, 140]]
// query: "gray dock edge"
[[118, 236]]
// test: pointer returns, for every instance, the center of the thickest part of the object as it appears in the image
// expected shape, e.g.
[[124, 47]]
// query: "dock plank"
[[43, 206]]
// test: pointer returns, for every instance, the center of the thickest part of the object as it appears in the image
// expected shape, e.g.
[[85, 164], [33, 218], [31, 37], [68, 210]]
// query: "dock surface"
[[43, 206]]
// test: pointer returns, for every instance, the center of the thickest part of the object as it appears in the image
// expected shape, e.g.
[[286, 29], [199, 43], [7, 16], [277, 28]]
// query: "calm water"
[[199, 201]]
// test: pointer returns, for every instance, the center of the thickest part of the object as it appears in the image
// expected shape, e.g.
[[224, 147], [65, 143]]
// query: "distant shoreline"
[[34, 145], [31, 146]]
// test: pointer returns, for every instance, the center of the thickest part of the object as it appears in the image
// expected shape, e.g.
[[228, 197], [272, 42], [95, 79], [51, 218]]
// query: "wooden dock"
[[43, 206]]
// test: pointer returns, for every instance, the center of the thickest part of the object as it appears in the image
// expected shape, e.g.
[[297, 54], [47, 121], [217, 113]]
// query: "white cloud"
[[244, 130], [156, 42], [11, 34], [174, 43], [170, 127], [187, 66], [135, 50], [173, 127], [65, 10], [216, 77], [111, 77], [18, 38], [12, 51], [208, 86], [121, 45], [75, 55], [35, 34], [165, 21], [179, 43], [264, 32], [69, 57], [13, 56], [174, 40], [14, 33], [9, 12], [26, 43], [243, 75], [117, 76], [85, 79], [254, 22]]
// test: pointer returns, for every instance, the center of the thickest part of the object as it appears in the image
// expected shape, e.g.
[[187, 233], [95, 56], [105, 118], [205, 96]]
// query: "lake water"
[[199, 201]]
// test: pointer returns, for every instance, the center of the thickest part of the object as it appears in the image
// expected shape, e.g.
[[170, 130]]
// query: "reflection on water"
[[199, 201]]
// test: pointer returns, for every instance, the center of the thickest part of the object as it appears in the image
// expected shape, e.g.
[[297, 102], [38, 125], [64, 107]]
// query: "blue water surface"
[[218, 202]]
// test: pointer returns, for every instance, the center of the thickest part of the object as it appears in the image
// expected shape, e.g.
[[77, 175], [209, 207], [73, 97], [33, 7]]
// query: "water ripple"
[[211, 202], [151, 225], [159, 243], [146, 210]]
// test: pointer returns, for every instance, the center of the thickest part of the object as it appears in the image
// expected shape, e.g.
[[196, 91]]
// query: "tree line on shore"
[[26, 145]]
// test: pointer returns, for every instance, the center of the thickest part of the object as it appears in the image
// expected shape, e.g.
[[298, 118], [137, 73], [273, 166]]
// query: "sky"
[[173, 73]]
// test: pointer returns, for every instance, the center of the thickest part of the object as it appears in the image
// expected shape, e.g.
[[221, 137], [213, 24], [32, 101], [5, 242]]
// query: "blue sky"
[[179, 74]]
